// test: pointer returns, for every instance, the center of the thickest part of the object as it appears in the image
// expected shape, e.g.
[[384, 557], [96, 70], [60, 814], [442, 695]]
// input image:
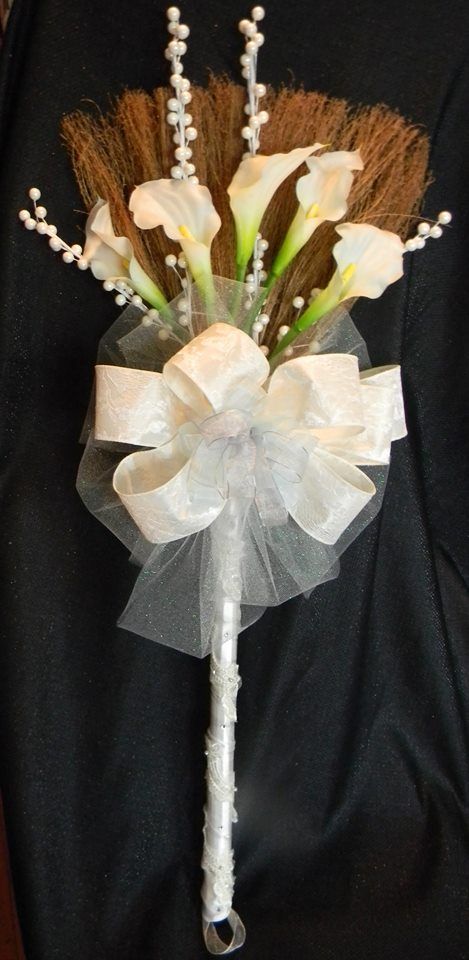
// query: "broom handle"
[[217, 861]]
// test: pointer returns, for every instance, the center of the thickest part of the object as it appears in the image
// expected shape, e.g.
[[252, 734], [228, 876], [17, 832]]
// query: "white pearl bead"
[[175, 80], [246, 73], [259, 39], [423, 229], [178, 138], [191, 133], [182, 262], [108, 286], [251, 30], [420, 243], [288, 351], [176, 173], [173, 103], [67, 256], [298, 302], [260, 90], [24, 215], [245, 60], [173, 27], [181, 48], [283, 331], [244, 25], [185, 84], [30, 223], [163, 334], [183, 31], [186, 97], [35, 194], [264, 319], [411, 244], [173, 13], [265, 349], [41, 227], [183, 153], [263, 245], [82, 264], [120, 300], [263, 116], [257, 327], [258, 13], [172, 119], [251, 47], [254, 123], [170, 260], [189, 168], [193, 180], [76, 248], [51, 229], [445, 217], [137, 300], [436, 232], [257, 264], [183, 304], [153, 314], [178, 67], [250, 287], [183, 320], [41, 212], [263, 275], [147, 320], [55, 244], [247, 133]]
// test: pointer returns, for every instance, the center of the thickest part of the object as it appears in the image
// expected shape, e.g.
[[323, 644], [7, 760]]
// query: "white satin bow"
[[215, 430]]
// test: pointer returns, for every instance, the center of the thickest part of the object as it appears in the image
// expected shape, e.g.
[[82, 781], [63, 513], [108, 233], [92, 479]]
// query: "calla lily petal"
[[251, 190], [322, 194], [368, 260], [186, 213], [112, 257]]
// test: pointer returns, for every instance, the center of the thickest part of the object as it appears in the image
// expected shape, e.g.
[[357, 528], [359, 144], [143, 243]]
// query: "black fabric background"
[[352, 757]]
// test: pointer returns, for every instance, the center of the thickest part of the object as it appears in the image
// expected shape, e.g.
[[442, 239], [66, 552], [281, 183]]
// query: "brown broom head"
[[113, 153]]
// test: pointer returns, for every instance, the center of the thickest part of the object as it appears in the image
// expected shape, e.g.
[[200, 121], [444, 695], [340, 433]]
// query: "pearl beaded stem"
[[184, 133], [255, 91], [125, 294], [427, 231]]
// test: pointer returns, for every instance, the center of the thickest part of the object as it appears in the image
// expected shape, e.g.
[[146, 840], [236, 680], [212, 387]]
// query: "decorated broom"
[[237, 439]]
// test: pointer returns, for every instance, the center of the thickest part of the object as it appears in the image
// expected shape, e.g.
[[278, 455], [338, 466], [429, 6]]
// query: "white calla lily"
[[368, 260], [322, 195], [112, 258], [251, 190], [186, 213]]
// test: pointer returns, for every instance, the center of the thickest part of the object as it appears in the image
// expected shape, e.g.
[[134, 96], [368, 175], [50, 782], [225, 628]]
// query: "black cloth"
[[352, 754]]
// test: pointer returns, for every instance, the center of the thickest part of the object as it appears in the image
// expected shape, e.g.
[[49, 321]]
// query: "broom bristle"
[[133, 143]]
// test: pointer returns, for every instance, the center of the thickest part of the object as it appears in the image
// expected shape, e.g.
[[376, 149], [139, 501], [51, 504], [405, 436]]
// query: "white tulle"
[[304, 455]]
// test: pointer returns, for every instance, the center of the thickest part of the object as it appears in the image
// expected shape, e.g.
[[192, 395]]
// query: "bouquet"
[[237, 439]]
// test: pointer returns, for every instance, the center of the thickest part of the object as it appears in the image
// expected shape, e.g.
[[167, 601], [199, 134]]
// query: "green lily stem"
[[324, 302]]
